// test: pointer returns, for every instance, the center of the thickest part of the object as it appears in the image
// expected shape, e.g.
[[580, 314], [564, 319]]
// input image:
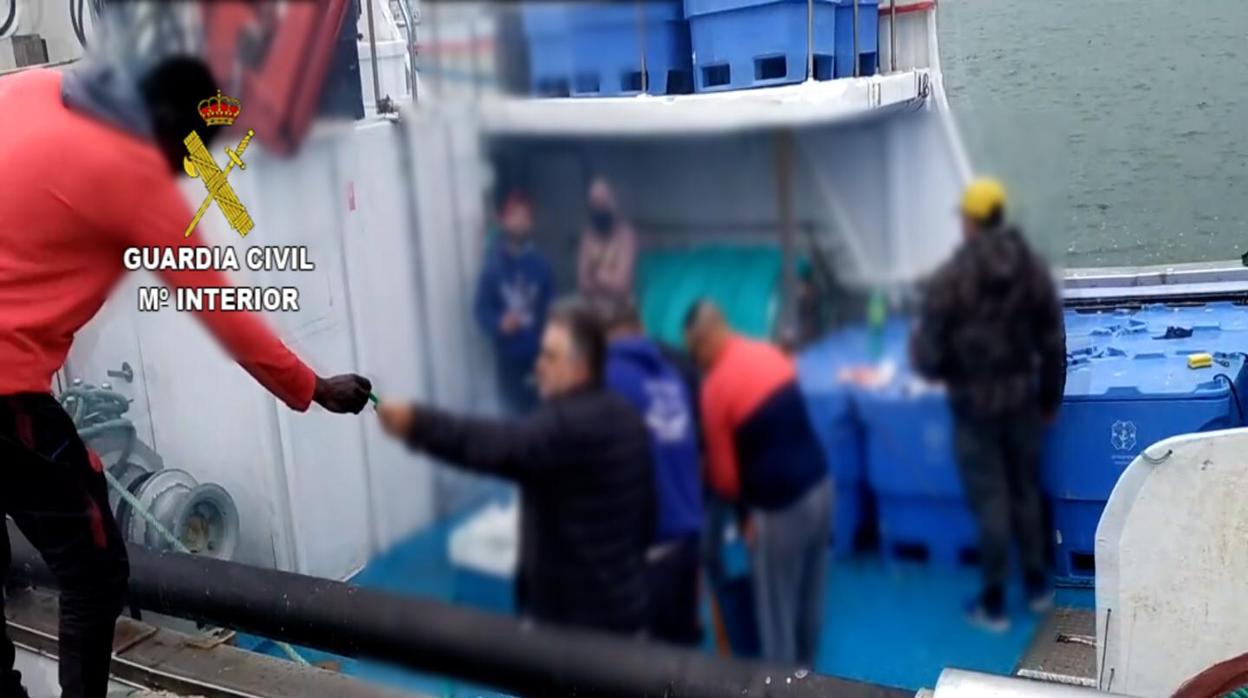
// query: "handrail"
[[512, 655], [856, 59], [892, 34], [409, 21], [382, 106]]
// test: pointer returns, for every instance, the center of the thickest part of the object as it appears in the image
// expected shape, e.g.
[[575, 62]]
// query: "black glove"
[[342, 394]]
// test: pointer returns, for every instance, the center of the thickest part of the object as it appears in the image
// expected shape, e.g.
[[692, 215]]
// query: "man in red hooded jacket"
[[88, 163]]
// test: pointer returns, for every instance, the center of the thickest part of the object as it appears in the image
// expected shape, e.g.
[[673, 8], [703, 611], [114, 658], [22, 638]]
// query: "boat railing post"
[[475, 65], [641, 45], [857, 72], [810, 39], [892, 34], [409, 20], [372, 52], [435, 60]]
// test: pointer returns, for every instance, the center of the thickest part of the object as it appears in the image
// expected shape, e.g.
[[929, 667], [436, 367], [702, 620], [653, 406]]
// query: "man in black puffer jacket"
[[583, 464], [992, 330]]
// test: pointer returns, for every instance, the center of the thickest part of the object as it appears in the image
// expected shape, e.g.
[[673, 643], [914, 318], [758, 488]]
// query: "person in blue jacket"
[[513, 296], [639, 371]]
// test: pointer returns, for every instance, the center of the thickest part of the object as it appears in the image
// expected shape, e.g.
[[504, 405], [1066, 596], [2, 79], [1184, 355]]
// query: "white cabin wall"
[[449, 238], [317, 493], [914, 45], [319, 469], [929, 176], [391, 344]]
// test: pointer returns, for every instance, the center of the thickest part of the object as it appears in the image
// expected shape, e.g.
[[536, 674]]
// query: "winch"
[[158, 507]]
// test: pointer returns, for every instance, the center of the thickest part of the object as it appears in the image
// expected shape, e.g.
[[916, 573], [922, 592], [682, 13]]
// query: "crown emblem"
[[220, 110]]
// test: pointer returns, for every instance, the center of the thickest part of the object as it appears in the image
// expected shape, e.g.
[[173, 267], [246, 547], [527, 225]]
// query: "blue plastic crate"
[[910, 445], [937, 531], [548, 30], [868, 37], [833, 412], [840, 434], [1114, 408], [607, 49], [830, 405], [922, 512], [1074, 539], [756, 43]]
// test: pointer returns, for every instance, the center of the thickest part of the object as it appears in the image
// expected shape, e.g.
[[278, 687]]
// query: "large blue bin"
[[756, 43], [868, 37], [548, 30], [1215, 327], [912, 470], [910, 464], [832, 406], [1115, 407], [607, 48]]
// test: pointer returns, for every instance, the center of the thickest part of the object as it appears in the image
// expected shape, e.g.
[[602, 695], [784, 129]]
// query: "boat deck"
[[888, 623], [1064, 649]]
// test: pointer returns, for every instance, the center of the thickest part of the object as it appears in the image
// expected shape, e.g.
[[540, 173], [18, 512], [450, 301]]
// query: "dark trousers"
[[56, 494], [999, 459], [672, 571]]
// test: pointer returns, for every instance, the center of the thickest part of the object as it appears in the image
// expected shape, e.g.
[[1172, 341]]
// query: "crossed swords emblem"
[[199, 163]]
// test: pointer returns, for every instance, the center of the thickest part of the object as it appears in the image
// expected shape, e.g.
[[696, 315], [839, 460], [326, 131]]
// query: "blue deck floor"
[[885, 623]]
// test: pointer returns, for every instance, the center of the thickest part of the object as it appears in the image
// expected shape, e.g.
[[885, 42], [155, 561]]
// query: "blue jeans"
[[790, 560]]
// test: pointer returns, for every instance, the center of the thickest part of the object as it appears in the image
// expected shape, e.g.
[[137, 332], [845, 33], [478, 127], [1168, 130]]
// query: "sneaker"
[[1040, 602], [977, 614]]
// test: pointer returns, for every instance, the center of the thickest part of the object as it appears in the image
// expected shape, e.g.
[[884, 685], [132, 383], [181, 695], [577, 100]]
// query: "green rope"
[[1241, 692], [98, 410]]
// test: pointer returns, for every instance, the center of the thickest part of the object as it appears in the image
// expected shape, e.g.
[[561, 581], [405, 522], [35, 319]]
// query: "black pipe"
[[482, 648], [8, 21]]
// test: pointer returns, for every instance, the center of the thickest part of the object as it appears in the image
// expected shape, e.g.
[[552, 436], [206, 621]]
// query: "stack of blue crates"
[[755, 43], [609, 39], [548, 29], [896, 442], [868, 37], [1127, 388], [595, 49], [923, 515]]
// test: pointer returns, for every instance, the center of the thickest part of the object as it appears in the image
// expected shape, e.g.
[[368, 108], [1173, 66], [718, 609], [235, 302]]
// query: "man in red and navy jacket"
[[762, 452]]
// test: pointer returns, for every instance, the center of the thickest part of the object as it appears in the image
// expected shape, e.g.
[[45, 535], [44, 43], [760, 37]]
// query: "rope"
[[98, 410]]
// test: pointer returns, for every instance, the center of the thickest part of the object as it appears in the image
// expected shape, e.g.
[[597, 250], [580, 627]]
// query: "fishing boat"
[[317, 543]]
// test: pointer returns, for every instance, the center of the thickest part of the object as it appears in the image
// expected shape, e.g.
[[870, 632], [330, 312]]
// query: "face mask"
[[602, 219]]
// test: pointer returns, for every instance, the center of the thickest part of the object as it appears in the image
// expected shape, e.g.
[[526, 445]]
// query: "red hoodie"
[[74, 193]]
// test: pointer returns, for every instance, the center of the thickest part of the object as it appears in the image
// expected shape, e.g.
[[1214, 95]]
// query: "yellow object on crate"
[[1199, 360]]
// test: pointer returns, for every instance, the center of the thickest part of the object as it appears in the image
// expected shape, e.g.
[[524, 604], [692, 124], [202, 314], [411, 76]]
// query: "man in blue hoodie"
[[513, 297], [638, 371]]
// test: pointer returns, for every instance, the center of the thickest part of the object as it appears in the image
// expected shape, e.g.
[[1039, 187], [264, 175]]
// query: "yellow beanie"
[[982, 197]]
